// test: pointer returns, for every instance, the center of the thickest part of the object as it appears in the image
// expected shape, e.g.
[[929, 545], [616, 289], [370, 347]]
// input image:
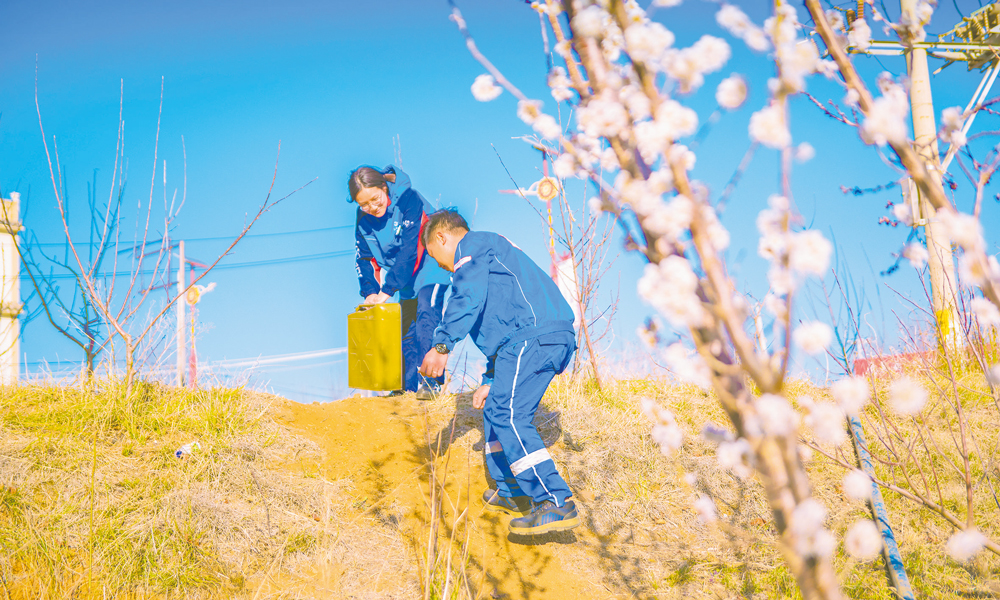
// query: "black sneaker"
[[546, 517], [517, 506]]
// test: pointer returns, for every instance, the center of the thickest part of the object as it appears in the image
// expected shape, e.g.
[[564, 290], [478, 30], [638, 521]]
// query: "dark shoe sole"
[[563, 525]]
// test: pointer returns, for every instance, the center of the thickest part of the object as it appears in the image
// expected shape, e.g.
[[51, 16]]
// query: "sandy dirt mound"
[[386, 448]]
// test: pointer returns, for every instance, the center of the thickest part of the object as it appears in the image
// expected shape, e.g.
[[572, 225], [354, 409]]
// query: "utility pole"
[[941, 261], [10, 290], [181, 301]]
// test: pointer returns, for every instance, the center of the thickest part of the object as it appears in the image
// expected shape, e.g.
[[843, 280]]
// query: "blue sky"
[[337, 83]]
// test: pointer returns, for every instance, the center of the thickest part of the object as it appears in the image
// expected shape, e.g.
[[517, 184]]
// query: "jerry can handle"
[[364, 307]]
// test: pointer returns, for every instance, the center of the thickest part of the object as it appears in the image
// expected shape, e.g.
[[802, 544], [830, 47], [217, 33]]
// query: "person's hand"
[[479, 396], [434, 364], [378, 298]]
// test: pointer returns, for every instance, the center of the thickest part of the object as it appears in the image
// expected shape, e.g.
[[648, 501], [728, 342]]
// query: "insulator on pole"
[[861, 9], [849, 18]]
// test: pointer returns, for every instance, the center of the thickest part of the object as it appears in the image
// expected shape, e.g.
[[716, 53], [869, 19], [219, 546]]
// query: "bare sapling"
[[119, 303], [71, 313]]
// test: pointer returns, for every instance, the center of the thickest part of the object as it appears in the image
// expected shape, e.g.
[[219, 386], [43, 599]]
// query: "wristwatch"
[[441, 348]]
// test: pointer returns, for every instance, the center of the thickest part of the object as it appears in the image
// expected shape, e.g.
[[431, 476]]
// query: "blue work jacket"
[[500, 296], [391, 243]]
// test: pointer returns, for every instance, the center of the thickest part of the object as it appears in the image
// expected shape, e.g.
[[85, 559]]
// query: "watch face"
[[441, 348]]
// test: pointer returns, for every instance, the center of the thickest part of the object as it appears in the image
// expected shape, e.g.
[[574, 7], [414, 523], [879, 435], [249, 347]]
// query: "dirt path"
[[381, 445]]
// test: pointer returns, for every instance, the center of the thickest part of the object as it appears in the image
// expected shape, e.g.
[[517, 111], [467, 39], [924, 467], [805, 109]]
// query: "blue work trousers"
[[515, 454], [418, 336]]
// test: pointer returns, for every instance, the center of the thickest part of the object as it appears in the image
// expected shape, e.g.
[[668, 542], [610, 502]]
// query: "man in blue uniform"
[[517, 316]]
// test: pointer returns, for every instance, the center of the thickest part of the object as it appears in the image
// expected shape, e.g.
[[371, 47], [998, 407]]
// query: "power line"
[[216, 238], [222, 267]]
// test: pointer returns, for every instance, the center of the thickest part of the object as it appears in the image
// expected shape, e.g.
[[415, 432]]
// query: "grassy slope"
[[93, 503]]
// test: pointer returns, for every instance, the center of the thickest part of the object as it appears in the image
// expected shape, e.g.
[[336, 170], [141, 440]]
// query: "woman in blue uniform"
[[391, 259]]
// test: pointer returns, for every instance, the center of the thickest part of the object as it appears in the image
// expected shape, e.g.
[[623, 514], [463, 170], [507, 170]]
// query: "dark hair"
[[362, 178], [447, 219]]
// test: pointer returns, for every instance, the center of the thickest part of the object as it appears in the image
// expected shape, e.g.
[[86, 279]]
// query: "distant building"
[[10, 289]]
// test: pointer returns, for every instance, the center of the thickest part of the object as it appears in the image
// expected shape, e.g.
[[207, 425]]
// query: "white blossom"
[[777, 417], [595, 205], [734, 456], [756, 39], [852, 393], [602, 116], [917, 254], [860, 35], [733, 20], [547, 127], [964, 545], [798, 60], [857, 485], [973, 271], [986, 312], [813, 337], [646, 42], [670, 286], [484, 88], [768, 127], [908, 396], [588, 22], [903, 213], [713, 53], [826, 420], [736, 22], [669, 436], [805, 152], [775, 305], [671, 219], [886, 121], [529, 110], [705, 508], [863, 540], [687, 365], [636, 101], [680, 155], [780, 279], [565, 166], [676, 119], [718, 236], [852, 97], [732, 92], [809, 252], [808, 517], [665, 432], [688, 66], [963, 229], [560, 84], [952, 121], [667, 3]]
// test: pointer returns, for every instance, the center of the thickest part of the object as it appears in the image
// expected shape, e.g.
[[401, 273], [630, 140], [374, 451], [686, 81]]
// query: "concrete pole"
[[10, 291], [941, 262], [181, 302]]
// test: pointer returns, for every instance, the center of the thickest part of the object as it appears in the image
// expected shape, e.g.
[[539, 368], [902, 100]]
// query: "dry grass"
[[95, 504], [651, 544]]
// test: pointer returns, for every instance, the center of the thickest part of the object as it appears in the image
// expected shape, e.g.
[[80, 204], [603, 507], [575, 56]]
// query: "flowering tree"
[[626, 83]]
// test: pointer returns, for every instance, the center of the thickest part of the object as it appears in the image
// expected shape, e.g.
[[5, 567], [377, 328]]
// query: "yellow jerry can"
[[375, 348]]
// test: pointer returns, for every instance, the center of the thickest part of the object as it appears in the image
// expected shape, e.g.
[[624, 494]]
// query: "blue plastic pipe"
[[894, 559]]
